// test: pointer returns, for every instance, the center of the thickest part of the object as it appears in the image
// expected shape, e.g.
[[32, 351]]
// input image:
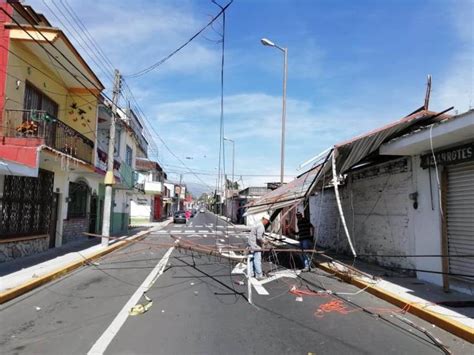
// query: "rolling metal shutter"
[[460, 218]]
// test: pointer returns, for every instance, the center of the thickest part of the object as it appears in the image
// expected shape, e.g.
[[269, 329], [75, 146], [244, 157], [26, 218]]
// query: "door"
[[157, 208], [54, 220], [460, 219], [93, 215]]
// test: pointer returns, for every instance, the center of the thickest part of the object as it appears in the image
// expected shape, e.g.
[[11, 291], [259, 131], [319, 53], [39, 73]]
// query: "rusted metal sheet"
[[348, 154], [285, 195]]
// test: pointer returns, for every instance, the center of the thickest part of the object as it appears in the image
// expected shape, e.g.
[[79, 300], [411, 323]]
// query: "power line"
[[163, 142], [90, 81], [91, 38], [107, 74], [163, 60]]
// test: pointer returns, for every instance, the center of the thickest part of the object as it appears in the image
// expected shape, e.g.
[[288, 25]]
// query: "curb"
[[454, 327], [63, 270]]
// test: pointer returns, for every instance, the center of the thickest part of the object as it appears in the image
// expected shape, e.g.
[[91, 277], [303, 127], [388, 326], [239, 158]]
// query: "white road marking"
[[258, 287], [202, 231], [106, 338], [190, 231], [162, 232], [193, 236], [239, 269], [176, 231], [279, 274]]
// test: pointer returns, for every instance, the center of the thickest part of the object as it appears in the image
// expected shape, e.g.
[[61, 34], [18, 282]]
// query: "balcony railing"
[[55, 133]]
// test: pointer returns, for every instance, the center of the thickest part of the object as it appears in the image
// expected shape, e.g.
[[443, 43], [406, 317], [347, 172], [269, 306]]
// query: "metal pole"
[[283, 115], [225, 196], [179, 195], [233, 182], [109, 176], [233, 160], [249, 284], [283, 124]]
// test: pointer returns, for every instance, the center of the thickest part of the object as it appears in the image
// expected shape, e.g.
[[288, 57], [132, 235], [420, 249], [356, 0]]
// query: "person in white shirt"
[[255, 243]]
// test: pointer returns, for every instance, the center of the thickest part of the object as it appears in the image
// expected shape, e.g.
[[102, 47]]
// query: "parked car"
[[179, 217], [202, 210]]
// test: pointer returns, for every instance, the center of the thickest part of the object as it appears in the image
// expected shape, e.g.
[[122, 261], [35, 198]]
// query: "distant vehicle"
[[179, 217], [202, 210]]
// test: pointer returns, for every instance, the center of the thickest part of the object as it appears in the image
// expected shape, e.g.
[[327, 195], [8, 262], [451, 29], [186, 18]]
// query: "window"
[[129, 156], [77, 206], [36, 100]]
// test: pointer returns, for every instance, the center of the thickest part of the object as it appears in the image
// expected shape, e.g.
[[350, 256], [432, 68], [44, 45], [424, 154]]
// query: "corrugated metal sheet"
[[285, 195], [354, 151], [348, 154]]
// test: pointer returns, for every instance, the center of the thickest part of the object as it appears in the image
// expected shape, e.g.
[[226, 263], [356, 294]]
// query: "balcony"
[[36, 124]]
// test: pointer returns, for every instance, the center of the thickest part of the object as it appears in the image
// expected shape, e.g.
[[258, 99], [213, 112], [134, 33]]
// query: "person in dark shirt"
[[305, 234]]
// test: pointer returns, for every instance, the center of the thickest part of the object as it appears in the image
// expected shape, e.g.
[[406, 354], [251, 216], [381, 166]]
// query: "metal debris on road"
[[141, 308]]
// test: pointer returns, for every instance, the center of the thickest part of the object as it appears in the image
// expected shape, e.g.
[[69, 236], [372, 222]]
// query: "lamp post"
[[267, 42], [233, 165], [233, 155]]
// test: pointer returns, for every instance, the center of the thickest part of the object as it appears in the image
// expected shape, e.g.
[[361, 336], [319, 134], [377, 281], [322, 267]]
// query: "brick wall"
[[73, 229], [377, 210]]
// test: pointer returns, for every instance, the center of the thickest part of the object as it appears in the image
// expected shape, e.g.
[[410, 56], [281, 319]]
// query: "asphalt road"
[[199, 307]]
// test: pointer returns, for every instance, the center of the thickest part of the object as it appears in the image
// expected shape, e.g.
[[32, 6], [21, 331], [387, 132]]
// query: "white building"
[[148, 205], [401, 209]]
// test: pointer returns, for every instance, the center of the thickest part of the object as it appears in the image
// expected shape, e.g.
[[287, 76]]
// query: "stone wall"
[[377, 210], [14, 250], [73, 229]]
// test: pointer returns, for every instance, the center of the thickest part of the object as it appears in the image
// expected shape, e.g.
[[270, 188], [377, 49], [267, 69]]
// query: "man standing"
[[305, 233], [255, 243]]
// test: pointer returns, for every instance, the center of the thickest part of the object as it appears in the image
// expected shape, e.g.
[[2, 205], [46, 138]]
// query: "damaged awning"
[[340, 160], [286, 195], [353, 152], [346, 155]]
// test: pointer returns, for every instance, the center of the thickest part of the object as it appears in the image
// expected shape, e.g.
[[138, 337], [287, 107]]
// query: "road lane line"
[[106, 338]]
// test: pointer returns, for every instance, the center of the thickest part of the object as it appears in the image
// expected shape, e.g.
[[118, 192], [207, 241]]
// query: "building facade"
[[48, 125], [148, 204]]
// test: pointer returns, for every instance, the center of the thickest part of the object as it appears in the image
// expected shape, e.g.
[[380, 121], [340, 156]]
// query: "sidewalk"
[[24, 274], [450, 311]]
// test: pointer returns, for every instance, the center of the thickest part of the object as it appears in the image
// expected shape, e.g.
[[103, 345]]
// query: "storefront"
[[457, 164]]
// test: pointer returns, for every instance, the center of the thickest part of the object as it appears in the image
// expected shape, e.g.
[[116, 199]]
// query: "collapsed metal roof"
[[286, 195], [347, 155]]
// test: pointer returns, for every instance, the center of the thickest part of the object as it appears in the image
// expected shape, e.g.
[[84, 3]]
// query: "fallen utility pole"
[[109, 176]]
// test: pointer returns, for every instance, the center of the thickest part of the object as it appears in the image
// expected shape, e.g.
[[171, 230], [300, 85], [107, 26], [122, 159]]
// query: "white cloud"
[[457, 85], [134, 35]]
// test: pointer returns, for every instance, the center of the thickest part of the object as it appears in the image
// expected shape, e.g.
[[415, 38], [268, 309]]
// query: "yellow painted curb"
[[32, 284], [456, 328]]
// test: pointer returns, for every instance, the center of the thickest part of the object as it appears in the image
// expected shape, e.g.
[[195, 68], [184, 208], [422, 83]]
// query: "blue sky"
[[353, 66]]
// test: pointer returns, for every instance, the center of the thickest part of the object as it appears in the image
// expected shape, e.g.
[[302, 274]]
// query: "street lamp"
[[267, 42], [233, 164], [233, 155]]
